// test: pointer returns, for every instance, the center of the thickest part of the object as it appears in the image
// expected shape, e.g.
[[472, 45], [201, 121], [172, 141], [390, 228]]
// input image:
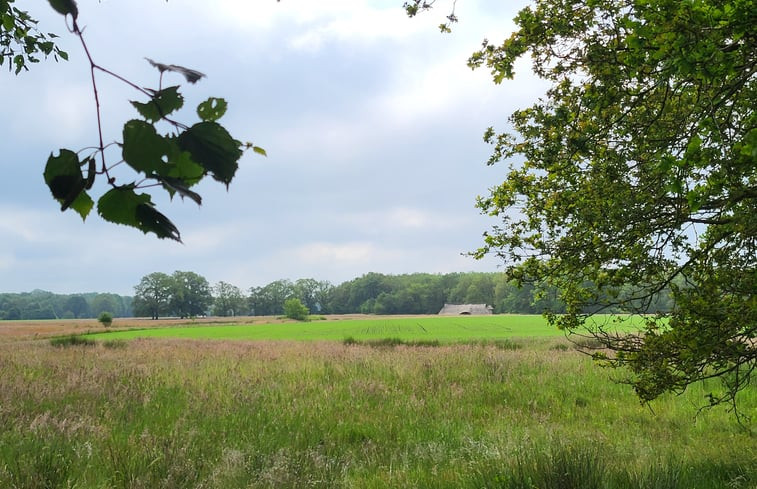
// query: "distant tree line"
[[40, 304], [374, 293], [422, 293], [188, 294]]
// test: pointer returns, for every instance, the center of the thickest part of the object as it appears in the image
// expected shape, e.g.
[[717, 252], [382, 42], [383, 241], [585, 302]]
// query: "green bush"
[[105, 318], [295, 309]]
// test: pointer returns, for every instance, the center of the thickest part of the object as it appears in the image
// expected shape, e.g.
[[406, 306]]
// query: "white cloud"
[[357, 23], [314, 23], [343, 253], [394, 220]]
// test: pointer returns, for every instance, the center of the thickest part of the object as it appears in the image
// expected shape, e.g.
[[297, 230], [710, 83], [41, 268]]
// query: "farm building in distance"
[[466, 310]]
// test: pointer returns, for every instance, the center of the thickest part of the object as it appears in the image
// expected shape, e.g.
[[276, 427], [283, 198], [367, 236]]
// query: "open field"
[[421, 328], [179, 413], [336, 327]]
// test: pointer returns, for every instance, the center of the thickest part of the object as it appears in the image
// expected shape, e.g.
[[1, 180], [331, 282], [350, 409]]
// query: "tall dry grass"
[[287, 414]]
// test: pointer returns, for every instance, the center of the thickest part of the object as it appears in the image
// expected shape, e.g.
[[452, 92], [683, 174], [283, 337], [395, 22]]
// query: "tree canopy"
[[182, 294], [635, 172]]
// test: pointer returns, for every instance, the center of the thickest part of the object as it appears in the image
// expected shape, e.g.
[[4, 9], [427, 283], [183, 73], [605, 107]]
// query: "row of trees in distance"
[[40, 304], [187, 294]]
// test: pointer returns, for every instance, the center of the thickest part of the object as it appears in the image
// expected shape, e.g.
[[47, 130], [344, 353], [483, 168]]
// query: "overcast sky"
[[372, 122]]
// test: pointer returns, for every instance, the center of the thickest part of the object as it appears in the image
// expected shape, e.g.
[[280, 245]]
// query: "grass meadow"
[[442, 329], [530, 412]]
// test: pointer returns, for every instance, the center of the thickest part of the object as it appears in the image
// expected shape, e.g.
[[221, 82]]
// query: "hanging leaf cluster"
[[175, 160]]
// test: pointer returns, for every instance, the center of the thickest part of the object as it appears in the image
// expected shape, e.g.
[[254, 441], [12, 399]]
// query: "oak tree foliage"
[[228, 300], [636, 173], [152, 295], [158, 151], [181, 294]]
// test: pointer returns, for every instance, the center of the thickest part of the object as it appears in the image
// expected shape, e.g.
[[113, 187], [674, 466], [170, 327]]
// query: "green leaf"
[[150, 220], [212, 109], [64, 177], [259, 151], [83, 204], [192, 76], [65, 7], [176, 185], [162, 103], [62, 173], [7, 22], [121, 205], [18, 60], [143, 147], [212, 147], [181, 165]]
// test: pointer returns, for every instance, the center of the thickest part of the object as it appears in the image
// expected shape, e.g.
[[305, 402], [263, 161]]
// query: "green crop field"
[[441, 329]]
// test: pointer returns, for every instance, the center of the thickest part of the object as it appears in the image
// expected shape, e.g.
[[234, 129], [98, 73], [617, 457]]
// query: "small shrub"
[[105, 318], [73, 340], [295, 309], [560, 347], [385, 342]]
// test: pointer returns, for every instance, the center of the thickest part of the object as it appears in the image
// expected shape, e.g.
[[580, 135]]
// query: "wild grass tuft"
[[115, 344], [500, 344], [72, 340], [390, 342]]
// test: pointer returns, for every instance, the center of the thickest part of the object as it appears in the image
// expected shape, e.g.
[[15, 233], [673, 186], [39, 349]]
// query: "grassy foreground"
[[231, 414]]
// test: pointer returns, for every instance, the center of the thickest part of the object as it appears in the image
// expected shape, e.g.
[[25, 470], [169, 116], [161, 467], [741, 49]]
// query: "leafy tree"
[[111, 303], [157, 151], [269, 300], [190, 294], [313, 293], [78, 306], [228, 300], [635, 173], [12, 313], [152, 295], [295, 309]]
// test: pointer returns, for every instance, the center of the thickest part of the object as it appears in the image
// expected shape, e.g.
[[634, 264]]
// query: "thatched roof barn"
[[466, 310]]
